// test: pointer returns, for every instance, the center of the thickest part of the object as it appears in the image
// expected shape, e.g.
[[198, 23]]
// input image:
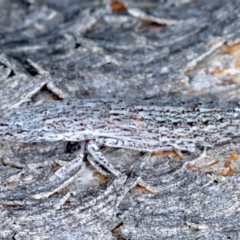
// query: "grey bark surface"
[[54, 50]]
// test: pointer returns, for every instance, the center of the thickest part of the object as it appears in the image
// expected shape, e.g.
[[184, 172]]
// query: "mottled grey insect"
[[180, 126]]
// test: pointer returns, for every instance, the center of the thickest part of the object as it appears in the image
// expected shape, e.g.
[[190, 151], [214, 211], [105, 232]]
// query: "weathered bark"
[[132, 50]]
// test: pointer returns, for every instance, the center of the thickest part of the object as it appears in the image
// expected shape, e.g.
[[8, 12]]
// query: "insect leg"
[[95, 152], [145, 146], [75, 163]]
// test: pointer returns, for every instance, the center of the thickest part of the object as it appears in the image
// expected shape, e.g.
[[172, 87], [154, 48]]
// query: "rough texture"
[[53, 50]]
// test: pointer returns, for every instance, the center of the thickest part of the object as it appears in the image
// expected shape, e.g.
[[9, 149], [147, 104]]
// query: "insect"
[[180, 126]]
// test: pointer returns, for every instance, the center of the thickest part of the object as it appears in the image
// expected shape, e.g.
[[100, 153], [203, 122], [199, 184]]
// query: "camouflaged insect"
[[180, 126]]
